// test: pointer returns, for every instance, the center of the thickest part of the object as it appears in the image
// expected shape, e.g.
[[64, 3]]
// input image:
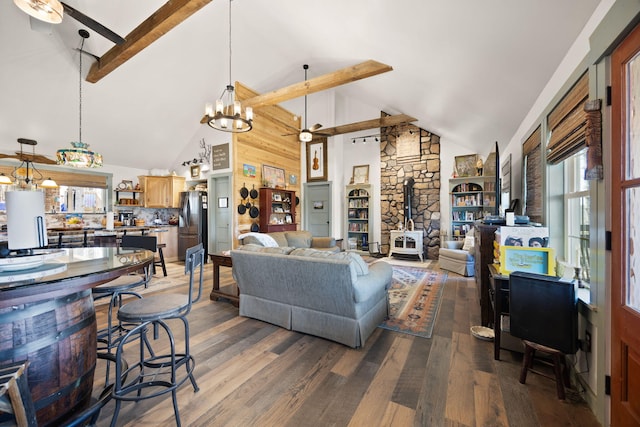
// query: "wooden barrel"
[[58, 337]]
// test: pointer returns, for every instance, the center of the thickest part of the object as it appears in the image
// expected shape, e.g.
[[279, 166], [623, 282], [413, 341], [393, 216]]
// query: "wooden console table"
[[225, 261]]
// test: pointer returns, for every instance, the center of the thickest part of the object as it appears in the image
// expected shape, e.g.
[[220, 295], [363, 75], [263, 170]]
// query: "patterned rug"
[[414, 299]]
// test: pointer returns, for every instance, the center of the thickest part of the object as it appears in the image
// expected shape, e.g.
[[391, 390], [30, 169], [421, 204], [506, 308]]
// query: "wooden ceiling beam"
[[367, 124], [155, 26], [345, 75]]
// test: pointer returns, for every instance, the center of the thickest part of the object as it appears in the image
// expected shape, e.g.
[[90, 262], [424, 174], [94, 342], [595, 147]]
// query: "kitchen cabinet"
[[169, 236], [162, 191], [277, 210]]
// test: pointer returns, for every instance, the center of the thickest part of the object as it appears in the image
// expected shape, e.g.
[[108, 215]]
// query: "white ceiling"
[[469, 70]]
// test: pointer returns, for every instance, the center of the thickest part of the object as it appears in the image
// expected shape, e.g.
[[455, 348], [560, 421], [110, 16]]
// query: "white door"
[[220, 208], [317, 208]]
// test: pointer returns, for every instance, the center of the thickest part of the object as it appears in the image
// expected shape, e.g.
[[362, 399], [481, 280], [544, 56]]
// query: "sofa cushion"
[[253, 247], [298, 239], [356, 264]]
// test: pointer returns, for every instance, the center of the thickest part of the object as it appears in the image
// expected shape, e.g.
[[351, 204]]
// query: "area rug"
[[414, 299]]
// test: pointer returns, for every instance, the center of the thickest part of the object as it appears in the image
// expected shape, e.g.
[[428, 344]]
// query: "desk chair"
[[158, 374], [544, 314]]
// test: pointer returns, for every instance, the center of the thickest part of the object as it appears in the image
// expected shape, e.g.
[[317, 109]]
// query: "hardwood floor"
[[251, 373]]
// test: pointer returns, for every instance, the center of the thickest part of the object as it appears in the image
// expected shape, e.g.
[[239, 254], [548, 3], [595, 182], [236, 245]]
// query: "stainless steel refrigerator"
[[192, 226]]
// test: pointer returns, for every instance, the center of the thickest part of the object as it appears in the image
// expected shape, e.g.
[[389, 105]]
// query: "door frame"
[[211, 190], [307, 209]]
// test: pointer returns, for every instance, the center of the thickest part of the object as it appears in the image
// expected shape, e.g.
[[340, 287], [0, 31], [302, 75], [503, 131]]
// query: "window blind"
[[532, 154], [567, 123]]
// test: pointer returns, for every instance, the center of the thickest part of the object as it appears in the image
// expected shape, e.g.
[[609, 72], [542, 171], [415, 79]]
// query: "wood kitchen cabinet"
[[169, 236], [162, 191]]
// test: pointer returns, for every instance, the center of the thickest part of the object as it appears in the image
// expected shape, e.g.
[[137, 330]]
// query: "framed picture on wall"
[[317, 160], [361, 174], [466, 165], [195, 171], [273, 177]]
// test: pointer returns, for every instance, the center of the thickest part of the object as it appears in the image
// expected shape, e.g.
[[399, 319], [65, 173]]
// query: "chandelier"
[[45, 10], [227, 115], [79, 156], [26, 175]]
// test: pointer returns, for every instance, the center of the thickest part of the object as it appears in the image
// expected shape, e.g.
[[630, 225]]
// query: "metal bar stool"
[[158, 373], [15, 397], [115, 289]]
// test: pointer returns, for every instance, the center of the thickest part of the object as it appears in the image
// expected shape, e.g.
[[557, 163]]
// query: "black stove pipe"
[[408, 196]]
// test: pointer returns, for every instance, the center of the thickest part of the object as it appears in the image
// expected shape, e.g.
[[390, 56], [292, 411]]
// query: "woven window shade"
[[532, 151], [567, 123]]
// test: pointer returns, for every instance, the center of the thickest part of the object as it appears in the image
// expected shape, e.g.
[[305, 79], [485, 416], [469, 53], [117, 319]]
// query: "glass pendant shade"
[[50, 11], [48, 183], [79, 156], [305, 135]]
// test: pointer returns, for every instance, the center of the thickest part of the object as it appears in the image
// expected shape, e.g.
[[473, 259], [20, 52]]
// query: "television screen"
[[543, 309]]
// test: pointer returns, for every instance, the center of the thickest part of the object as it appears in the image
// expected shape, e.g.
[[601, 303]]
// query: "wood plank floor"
[[251, 373]]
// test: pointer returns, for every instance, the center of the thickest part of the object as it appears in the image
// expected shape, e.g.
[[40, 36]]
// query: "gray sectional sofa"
[[331, 295], [295, 239]]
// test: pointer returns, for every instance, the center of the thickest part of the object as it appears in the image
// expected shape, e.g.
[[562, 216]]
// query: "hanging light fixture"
[[26, 175], [305, 134], [227, 115], [79, 156], [45, 10]]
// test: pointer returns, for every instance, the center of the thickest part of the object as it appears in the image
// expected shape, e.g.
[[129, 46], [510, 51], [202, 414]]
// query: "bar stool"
[[119, 287], [158, 373], [160, 261], [15, 397]]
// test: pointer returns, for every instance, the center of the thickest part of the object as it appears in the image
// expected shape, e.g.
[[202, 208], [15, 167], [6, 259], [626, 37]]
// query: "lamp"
[[79, 156], [305, 134], [45, 10], [26, 174], [227, 115]]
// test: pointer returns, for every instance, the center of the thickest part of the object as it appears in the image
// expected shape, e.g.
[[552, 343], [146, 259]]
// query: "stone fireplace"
[[406, 151]]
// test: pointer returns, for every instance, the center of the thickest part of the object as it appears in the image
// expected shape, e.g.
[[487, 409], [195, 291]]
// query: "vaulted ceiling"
[[468, 70]]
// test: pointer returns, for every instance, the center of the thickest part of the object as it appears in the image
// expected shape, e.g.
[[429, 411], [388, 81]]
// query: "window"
[[577, 209]]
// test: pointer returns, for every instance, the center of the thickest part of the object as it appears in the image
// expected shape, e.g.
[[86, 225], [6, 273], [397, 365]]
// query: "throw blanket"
[[264, 239]]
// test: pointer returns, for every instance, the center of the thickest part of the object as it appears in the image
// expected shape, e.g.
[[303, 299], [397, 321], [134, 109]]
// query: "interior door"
[[317, 208], [625, 229], [220, 205]]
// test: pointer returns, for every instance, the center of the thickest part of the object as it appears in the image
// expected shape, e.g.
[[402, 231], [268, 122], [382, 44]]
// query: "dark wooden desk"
[[499, 295], [225, 261]]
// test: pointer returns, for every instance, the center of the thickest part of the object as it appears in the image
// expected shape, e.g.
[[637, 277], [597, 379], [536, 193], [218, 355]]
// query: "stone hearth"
[[408, 151]]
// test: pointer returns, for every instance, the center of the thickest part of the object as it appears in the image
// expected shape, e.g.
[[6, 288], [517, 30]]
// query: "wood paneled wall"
[[266, 144]]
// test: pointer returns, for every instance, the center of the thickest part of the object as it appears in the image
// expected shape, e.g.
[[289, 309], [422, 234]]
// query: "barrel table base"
[[54, 335]]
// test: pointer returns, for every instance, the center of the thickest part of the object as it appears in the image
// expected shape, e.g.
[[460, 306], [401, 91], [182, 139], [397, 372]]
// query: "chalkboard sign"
[[220, 157]]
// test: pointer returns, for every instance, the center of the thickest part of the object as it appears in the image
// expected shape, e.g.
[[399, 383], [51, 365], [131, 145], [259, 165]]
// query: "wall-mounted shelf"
[[133, 201]]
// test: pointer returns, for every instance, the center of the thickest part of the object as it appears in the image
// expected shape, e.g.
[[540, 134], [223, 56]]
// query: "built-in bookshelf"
[[358, 216], [472, 198]]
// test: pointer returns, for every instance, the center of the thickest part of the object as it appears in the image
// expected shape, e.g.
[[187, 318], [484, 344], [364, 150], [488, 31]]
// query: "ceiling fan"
[[306, 133], [30, 157], [52, 11]]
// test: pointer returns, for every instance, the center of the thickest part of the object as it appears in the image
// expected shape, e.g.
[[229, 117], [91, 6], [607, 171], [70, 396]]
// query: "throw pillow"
[[468, 243], [264, 239], [298, 239]]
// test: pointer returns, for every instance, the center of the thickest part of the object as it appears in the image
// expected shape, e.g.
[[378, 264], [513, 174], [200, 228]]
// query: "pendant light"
[[227, 115], [305, 134], [79, 156], [50, 11]]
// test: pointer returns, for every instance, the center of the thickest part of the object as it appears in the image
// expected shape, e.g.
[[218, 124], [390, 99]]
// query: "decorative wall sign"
[[220, 157], [317, 161]]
